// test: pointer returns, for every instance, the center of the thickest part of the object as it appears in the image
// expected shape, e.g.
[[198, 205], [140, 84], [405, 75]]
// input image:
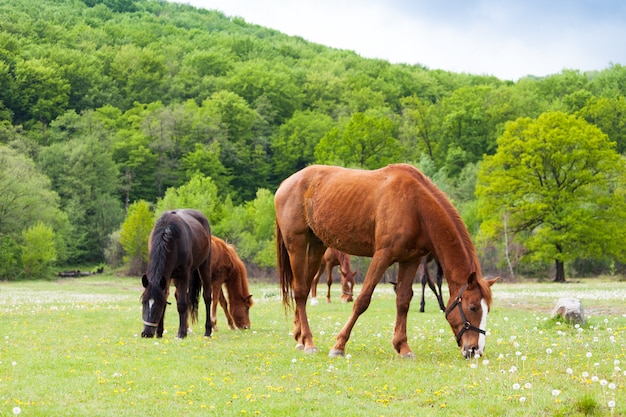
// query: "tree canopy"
[[107, 103], [558, 182]]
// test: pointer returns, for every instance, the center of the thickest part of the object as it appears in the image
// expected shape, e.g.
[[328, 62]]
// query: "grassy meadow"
[[73, 348]]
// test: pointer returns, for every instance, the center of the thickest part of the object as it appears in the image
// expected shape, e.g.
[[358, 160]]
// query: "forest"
[[112, 111]]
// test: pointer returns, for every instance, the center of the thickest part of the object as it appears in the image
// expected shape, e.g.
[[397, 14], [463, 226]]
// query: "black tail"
[[195, 285], [284, 269]]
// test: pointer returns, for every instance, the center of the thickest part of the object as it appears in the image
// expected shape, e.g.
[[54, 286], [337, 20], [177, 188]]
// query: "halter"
[[467, 325], [147, 323]]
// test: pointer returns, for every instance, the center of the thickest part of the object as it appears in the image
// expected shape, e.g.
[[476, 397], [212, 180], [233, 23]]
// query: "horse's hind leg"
[[329, 280], [424, 278], [439, 281], [314, 283], [304, 271]]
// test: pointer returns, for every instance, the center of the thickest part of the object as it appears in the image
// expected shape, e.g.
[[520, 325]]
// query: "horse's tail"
[[195, 285], [284, 268]]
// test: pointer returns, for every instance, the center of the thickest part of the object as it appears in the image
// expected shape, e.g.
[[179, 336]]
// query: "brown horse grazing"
[[393, 214], [426, 279], [332, 258], [228, 269], [180, 249]]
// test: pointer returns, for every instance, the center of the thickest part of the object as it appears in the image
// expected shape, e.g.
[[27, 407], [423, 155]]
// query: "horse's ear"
[[144, 281], [492, 281], [471, 280], [249, 297], [163, 283]]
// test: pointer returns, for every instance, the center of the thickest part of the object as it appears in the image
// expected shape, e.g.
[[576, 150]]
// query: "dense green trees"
[[107, 103], [556, 183]]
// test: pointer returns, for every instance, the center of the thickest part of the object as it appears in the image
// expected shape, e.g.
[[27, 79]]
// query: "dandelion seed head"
[[556, 392], [516, 386], [17, 410]]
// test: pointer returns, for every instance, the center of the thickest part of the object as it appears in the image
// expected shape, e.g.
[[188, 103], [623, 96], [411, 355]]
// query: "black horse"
[[426, 279], [180, 249]]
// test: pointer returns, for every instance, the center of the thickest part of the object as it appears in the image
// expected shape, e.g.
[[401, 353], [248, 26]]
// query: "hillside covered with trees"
[[112, 110]]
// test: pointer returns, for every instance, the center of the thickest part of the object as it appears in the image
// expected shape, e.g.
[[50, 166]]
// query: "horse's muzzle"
[[149, 329], [470, 352]]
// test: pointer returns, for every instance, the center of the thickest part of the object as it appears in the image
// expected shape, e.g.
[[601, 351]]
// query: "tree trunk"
[[560, 272]]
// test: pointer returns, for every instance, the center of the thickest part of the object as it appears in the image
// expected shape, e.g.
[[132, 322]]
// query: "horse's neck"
[[457, 258]]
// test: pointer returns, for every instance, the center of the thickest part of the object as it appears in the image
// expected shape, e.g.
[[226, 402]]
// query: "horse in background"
[[332, 258], [393, 214], [180, 250], [228, 270], [425, 279]]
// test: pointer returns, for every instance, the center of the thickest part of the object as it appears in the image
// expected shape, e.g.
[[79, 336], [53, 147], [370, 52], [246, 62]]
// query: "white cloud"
[[507, 39]]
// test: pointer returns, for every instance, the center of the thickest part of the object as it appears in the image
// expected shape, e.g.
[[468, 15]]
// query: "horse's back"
[[349, 209]]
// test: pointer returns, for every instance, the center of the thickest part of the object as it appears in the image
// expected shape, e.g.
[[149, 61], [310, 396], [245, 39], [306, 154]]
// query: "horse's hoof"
[[314, 301], [299, 346], [336, 353], [311, 350], [409, 355]]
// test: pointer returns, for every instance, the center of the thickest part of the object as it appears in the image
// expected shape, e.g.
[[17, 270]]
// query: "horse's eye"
[[472, 308]]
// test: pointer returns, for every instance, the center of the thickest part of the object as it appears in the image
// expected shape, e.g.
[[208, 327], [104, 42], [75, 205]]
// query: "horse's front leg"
[[374, 273], [222, 300], [404, 294], [159, 331], [214, 290], [182, 304]]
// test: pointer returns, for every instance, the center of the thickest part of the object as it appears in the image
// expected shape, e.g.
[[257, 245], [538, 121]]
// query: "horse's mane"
[[240, 269], [165, 231]]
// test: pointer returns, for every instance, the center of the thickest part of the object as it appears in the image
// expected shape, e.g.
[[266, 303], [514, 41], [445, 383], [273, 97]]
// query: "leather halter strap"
[[466, 324]]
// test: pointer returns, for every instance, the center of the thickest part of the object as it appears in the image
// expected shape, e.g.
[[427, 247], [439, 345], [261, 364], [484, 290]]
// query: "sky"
[[509, 39]]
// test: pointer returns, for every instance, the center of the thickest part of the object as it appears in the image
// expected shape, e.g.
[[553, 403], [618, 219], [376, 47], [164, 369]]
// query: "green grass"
[[73, 348]]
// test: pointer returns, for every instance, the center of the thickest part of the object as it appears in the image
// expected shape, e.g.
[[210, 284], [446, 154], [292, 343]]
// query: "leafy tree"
[[557, 183], [609, 114], [138, 73], [205, 160], [418, 125], [134, 236], [44, 93], [38, 251], [199, 193], [10, 257], [26, 197], [250, 227], [365, 142], [294, 142], [84, 174]]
